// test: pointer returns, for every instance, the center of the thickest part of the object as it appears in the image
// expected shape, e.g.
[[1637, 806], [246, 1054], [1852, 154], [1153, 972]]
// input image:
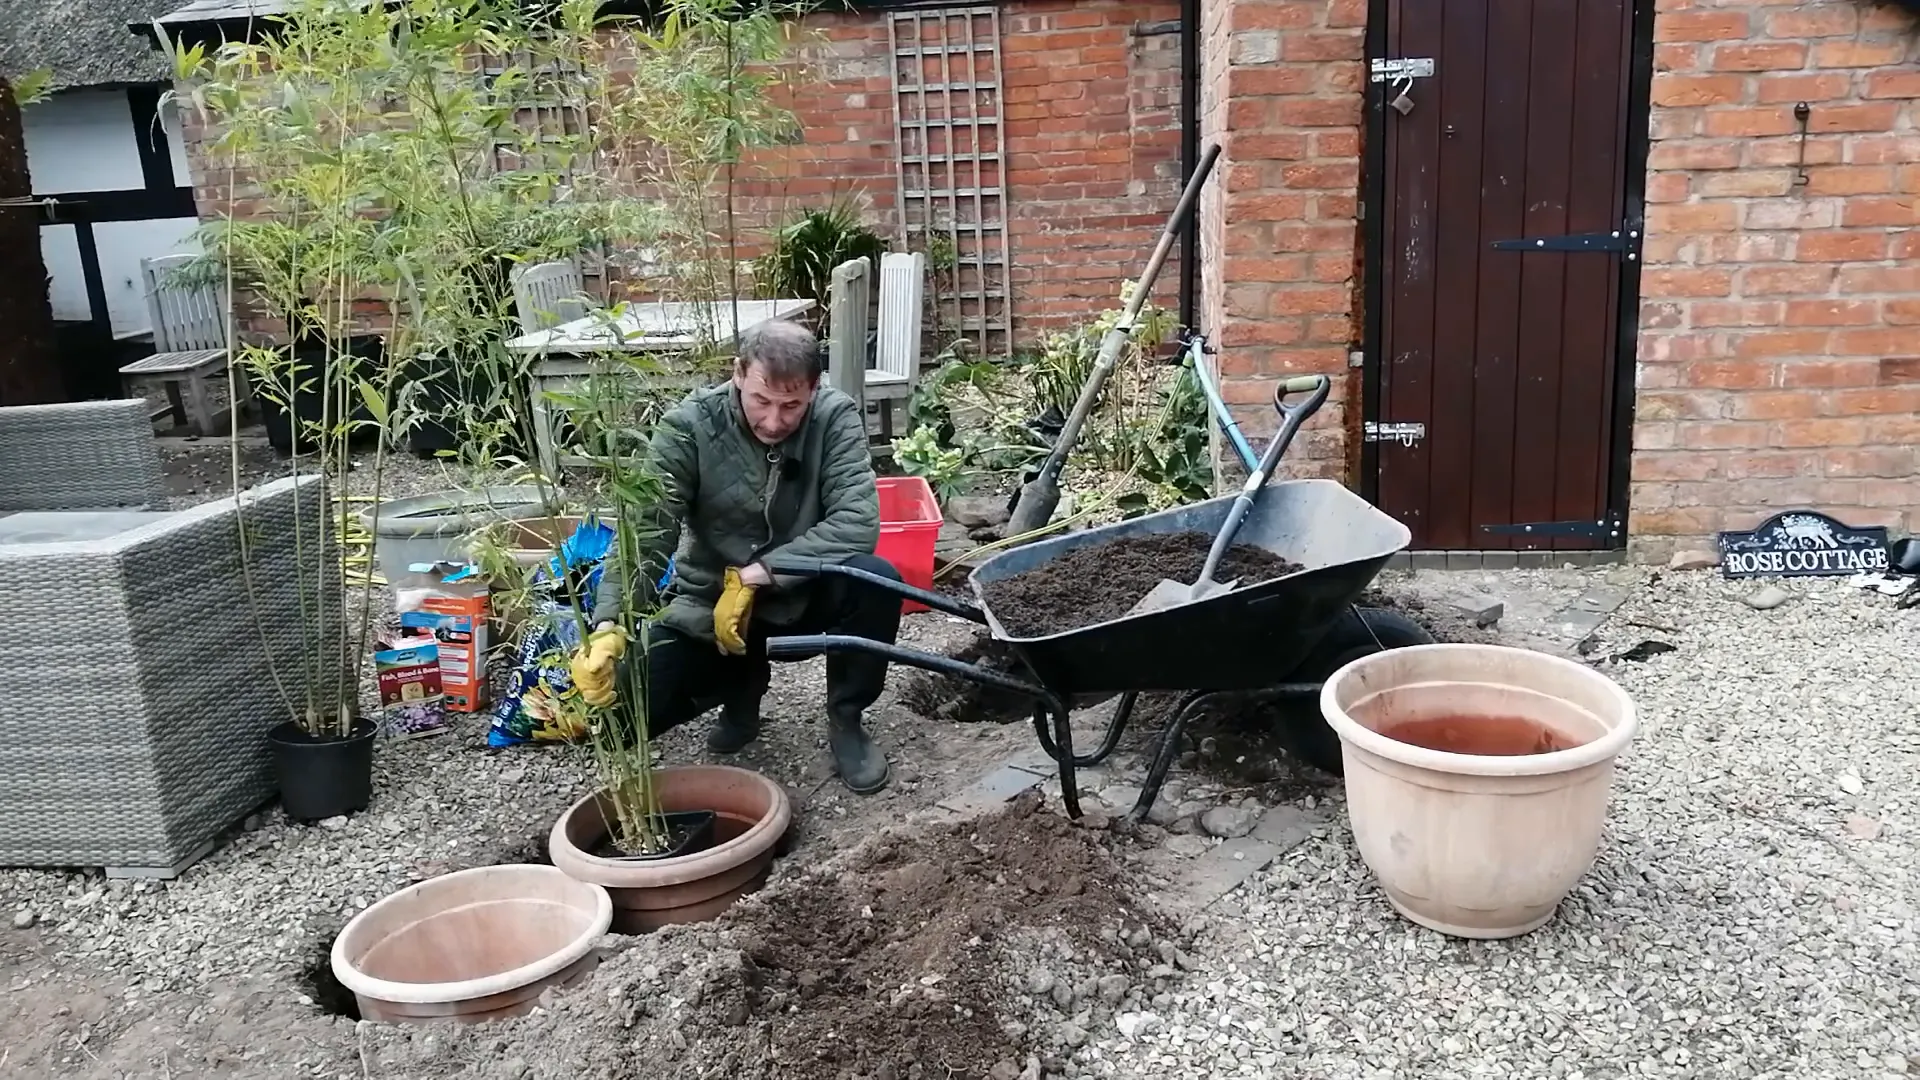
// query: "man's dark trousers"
[[685, 676]]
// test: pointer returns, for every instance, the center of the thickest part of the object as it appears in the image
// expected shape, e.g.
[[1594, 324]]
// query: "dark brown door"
[[1503, 352]]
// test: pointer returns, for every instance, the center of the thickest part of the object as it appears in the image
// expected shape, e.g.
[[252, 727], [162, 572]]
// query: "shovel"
[[1170, 593]]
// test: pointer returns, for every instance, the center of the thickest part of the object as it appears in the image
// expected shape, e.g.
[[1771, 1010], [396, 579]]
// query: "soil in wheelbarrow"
[[1102, 582]]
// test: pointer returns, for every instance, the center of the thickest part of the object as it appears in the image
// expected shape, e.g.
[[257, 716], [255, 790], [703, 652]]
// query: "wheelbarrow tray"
[[1244, 639]]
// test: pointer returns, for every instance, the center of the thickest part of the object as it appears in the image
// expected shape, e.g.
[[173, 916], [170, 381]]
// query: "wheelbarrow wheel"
[[1304, 730]]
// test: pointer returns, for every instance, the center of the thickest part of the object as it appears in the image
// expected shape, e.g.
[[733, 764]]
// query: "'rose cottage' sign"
[[1803, 543]]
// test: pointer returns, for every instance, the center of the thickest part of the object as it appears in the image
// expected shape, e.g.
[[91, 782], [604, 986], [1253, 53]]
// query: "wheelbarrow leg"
[[1063, 753], [1164, 755], [1115, 728]]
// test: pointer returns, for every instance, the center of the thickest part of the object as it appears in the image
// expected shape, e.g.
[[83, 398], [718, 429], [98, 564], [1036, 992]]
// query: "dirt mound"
[[949, 699], [1101, 582], [893, 961]]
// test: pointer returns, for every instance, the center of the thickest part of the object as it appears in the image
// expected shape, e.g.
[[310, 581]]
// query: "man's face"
[[774, 410]]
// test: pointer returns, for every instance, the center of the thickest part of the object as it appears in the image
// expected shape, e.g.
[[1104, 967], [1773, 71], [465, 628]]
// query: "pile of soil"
[[1102, 582], [950, 699], [893, 962]]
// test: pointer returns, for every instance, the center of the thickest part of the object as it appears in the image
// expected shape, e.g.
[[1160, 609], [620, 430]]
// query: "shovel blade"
[[1170, 593]]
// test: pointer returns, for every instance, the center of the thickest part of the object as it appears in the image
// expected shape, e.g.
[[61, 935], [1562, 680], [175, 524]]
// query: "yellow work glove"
[[731, 614], [592, 666]]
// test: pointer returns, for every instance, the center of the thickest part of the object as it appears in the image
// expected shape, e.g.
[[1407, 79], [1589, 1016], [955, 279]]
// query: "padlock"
[[1402, 103]]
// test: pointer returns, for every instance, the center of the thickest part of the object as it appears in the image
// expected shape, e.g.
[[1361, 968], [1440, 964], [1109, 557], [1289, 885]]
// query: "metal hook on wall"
[[1801, 111]]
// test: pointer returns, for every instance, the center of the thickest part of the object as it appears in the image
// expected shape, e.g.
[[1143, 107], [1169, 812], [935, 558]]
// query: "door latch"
[[1404, 434], [1402, 68]]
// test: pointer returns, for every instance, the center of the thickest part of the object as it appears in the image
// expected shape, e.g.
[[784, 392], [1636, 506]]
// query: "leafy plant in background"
[[920, 454], [806, 249]]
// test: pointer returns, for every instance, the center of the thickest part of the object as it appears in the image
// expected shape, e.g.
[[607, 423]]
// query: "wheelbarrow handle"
[[936, 601], [800, 646]]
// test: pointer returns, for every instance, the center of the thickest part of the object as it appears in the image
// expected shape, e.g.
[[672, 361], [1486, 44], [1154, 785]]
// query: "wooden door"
[[1505, 232]]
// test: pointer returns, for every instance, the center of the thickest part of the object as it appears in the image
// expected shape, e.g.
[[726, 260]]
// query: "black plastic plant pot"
[[307, 362], [687, 830], [323, 776]]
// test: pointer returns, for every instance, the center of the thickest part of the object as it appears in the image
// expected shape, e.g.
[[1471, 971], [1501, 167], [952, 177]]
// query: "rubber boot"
[[738, 725], [861, 764]]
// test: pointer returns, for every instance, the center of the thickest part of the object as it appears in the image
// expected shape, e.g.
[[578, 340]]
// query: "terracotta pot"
[[472, 945], [751, 815], [1481, 844]]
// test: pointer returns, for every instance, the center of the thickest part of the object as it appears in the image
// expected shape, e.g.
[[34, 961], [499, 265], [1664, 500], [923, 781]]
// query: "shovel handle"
[[1316, 387]]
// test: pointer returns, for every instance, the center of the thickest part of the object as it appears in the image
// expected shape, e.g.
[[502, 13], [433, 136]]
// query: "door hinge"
[[1605, 528], [1404, 434], [1410, 67], [1626, 240]]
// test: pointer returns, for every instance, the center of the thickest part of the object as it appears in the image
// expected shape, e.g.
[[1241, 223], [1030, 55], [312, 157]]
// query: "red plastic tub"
[[909, 525]]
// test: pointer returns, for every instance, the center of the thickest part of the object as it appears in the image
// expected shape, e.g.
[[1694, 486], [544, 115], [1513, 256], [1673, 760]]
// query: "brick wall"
[[1281, 92], [1092, 125], [1780, 322]]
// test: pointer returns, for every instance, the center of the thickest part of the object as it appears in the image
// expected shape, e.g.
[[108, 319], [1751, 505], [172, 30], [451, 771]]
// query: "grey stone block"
[[1429, 560], [990, 791], [1499, 560], [1463, 560]]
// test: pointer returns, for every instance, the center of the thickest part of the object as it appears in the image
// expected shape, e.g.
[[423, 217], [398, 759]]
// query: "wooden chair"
[[548, 294], [849, 298], [897, 354], [190, 343]]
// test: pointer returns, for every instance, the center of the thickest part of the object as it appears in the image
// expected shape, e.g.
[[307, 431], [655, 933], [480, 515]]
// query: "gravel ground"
[[1750, 913]]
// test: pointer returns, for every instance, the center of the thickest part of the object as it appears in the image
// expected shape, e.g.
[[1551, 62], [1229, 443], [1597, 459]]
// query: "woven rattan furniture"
[[135, 732], [92, 455]]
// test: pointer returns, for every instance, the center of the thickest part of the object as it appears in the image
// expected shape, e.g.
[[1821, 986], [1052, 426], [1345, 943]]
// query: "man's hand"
[[592, 666], [735, 609]]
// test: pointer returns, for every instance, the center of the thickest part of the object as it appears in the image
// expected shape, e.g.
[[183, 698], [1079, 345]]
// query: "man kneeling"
[[769, 465]]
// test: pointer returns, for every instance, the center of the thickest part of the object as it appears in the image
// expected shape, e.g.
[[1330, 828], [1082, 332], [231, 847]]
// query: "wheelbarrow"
[[1276, 639]]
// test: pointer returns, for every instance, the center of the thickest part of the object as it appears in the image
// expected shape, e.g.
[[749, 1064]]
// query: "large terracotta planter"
[[472, 945], [1482, 844], [751, 815]]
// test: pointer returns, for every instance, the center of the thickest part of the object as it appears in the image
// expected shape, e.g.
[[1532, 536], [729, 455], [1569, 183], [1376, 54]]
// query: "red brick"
[[1709, 313], [1891, 211], [1896, 148], [1317, 113], [1900, 369], [1721, 435], [1879, 116], [1825, 431], [1663, 282], [1889, 461], [1340, 45], [1337, 175], [1781, 343], [1747, 183], [1270, 80], [1849, 180], [1308, 300], [1825, 20], [1293, 15], [1344, 13], [1700, 26], [1825, 86], [1680, 405], [1249, 147], [1673, 465], [1777, 405], [1691, 154], [1844, 54], [1679, 91], [1693, 217], [1748, 122], [1764, 465], [1776, 280], [1829, 373], [1832, 312], [1671, 57], [1876, 401], [1875, 343], [1761, 56], [1843, 247], [1893, 84], [1903, 312], [1667, 187]]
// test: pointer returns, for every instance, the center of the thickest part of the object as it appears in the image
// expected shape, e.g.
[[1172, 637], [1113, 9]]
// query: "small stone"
[[1121, 797], [1087, 988], [1767, 597], [1851, 784], [1072, 1034], [1186, 845], [514, 1067], [1062, 995], [1694, 560], [1032, 1071], [977, 511], [1484, 610], [1004, 1070], [335, 823], [24, 918], [1228, 822], [1040, 982], [254, 822], [1861, 827], [1139, 939], [1113, 988], [1133, 1025]]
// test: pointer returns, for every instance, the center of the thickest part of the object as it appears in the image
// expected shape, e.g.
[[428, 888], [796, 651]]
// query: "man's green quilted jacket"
[[732, 501]]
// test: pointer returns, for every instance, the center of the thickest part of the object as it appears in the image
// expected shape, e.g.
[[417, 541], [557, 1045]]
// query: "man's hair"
[[786, 351]]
